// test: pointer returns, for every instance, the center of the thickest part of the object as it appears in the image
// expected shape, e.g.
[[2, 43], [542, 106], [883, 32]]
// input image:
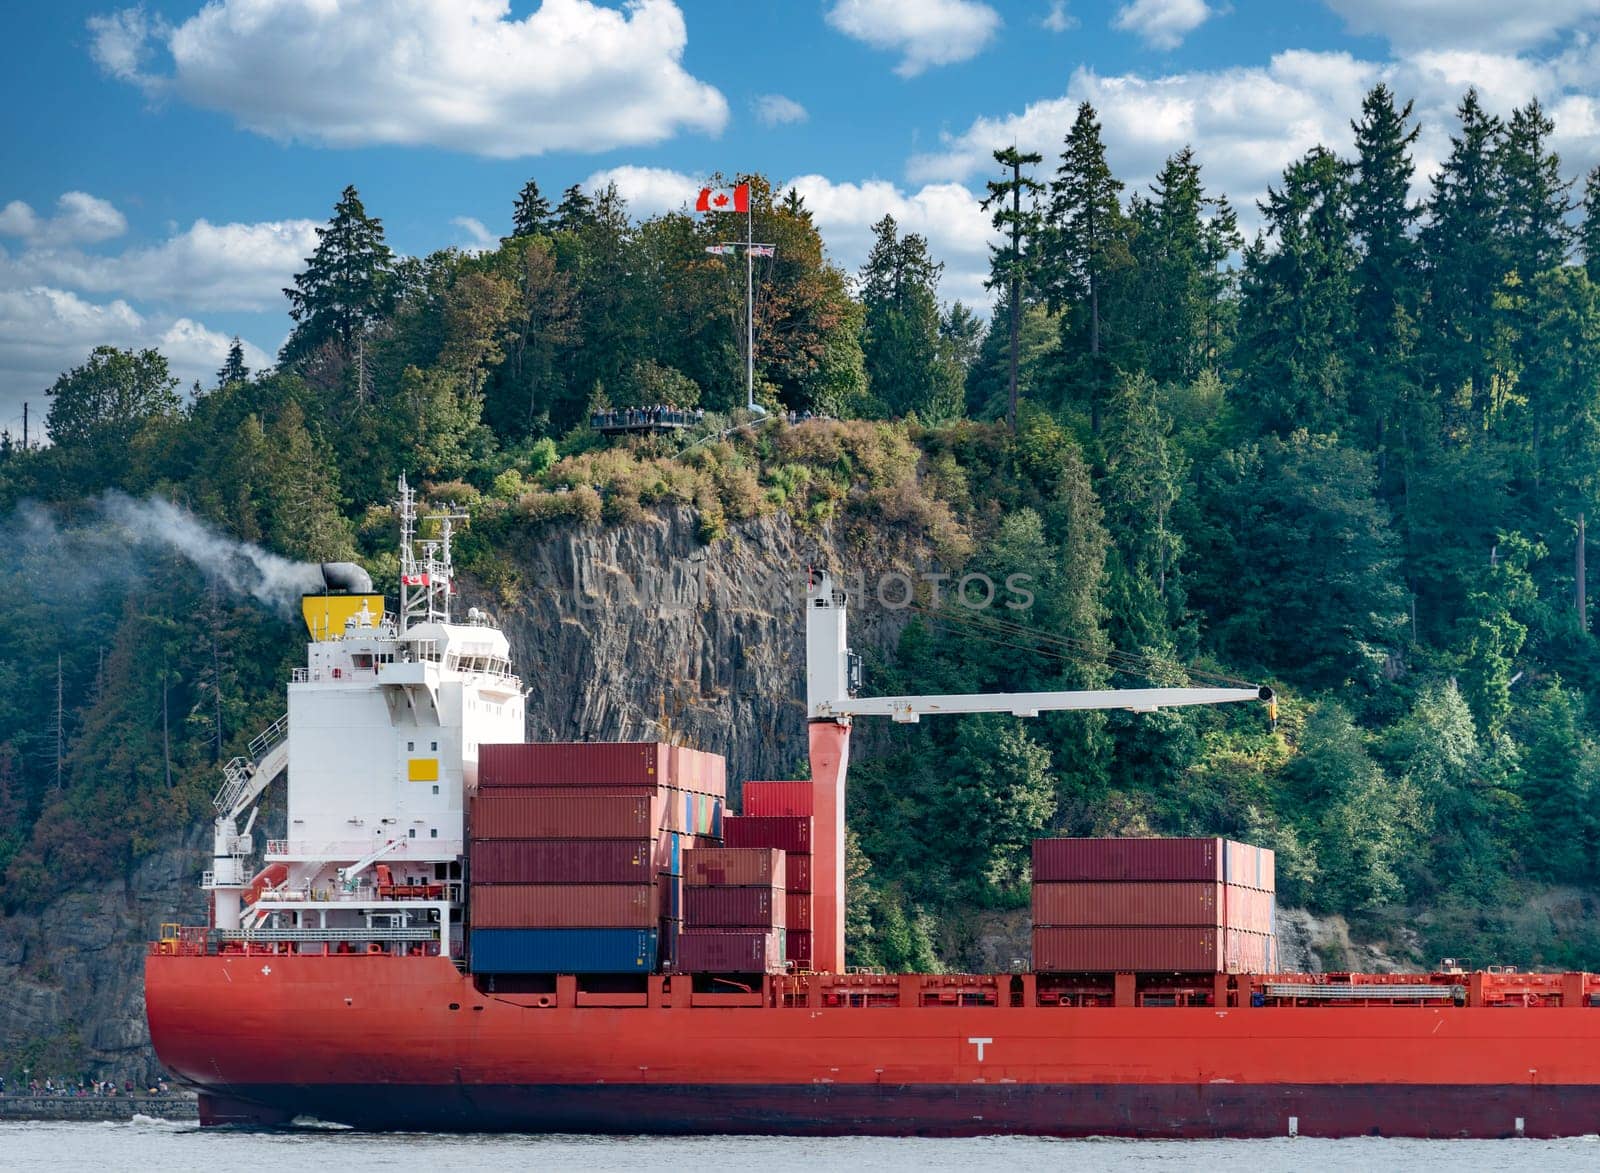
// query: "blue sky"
[[162, 167]]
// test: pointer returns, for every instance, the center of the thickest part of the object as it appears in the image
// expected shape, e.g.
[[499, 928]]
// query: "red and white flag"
[[414, 579], [714, 199]]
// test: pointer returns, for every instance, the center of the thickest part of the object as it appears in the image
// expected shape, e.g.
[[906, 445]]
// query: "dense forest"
[[1351, 455]]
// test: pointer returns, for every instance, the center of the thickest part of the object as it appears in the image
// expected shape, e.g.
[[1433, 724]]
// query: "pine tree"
[[1590, 232], [1011, 264], [1085, 224], [345, 285], [1385, 280], [1464, 261], [900, 340], [233, 368], [575, 212], [1295, 316], [530, 215]]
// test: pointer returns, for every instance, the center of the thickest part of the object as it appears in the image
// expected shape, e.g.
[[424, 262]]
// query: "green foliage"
[[345, 285]]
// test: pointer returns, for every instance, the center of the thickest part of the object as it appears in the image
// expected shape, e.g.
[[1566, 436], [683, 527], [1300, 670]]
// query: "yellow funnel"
[[326, 615]]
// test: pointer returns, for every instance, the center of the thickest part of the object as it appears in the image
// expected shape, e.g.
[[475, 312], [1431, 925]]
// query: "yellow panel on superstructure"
[[326, 615], [423, 770]]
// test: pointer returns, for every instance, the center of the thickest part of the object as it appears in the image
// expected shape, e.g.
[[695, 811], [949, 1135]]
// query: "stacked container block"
[[780, 814], [733, 911], [575, 857], [1153, 905]]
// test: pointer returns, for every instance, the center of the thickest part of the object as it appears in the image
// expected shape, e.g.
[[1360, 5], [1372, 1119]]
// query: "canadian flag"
[[714, 199]]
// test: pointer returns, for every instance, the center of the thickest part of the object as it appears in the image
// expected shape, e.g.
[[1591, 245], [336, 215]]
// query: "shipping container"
[[522, 814], [734, 908], [669, 890], [790, 832], [777, 798], [797, 911], [1249, 866], [797, 871], [562, 861], [572, 763], [553, 906], [731, 951], [1098, 949], [797, 948], [1137, 859], [1136, 902], [669, 930], [563, 950], [706, 867]]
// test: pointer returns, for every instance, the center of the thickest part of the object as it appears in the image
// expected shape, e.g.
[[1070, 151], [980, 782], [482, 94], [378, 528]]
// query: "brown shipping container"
[[733, 908], [777, 798], [797, 948], [722, 951], [790, 832], [1063, 949], [710, 867], [1145, 859], [525, 815], [797, 911], [572, 763], [1132, 903], [797, 871], [562, 861], [564, 906]]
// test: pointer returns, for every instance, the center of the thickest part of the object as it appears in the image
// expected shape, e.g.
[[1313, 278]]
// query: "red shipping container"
[[562, 861], [790, 832], [523, 814], [777, 798], [1062, 949], [564, 906], [573, 763], [733, 908], [1135, 859], [797, 871], [1154, 903], [730, 951], [1249, 866], [797, 911], [797, 948], [709, 867]]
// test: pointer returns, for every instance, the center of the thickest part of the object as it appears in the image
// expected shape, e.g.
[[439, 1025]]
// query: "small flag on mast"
[[721, 250], [762, 250], [724, 199]]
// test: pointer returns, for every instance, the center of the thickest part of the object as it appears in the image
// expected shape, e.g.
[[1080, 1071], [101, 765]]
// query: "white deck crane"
[[832, 679]]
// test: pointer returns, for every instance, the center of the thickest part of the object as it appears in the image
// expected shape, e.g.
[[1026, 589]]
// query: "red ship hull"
[[409, 1043]]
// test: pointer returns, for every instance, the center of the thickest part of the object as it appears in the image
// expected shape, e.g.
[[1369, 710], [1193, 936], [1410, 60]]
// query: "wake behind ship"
[[462, 931]]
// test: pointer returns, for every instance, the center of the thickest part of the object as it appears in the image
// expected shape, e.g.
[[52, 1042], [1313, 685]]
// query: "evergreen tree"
[[530, 215], [1011, 265], [1590, 233], [1086, 238], [1385, 281], [1535, 200], [233, 368], [346, 283], [1295, 324], [575, 211], [900, 345], [1464, 260], [1557, 787]]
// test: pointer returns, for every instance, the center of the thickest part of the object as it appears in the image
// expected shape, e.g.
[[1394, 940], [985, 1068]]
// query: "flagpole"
[[750, 307]]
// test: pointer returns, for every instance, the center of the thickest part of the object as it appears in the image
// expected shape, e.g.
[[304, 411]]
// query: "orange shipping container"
[[564, 906], [1096, 949]]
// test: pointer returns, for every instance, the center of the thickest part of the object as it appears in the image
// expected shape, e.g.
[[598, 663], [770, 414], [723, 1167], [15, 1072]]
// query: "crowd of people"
[[60, 1086], [658, 415]]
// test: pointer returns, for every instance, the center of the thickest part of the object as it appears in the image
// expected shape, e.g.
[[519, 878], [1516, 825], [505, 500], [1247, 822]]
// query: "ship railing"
[[350, 933], [269, 737], [1392, 991]]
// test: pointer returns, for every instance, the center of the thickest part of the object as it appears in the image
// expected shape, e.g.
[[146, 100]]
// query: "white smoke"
[[109, 544]]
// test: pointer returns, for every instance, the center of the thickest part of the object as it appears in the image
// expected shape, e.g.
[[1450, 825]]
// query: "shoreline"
[[97, 1108]]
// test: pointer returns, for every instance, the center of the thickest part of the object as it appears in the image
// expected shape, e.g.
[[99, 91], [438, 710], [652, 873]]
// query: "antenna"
[[426, 582]]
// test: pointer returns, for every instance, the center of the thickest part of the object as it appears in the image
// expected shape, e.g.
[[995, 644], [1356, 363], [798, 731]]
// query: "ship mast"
[[426, 580]]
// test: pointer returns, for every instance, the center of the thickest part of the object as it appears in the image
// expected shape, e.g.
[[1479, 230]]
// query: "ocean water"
[[176, 1148]]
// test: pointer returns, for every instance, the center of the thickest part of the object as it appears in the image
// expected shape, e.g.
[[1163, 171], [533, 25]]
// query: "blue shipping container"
[[564, 950]]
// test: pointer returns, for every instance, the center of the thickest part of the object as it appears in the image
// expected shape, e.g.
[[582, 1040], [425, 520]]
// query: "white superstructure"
[[380, 743]]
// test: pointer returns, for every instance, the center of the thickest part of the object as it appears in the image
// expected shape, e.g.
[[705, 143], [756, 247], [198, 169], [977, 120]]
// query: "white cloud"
[[205, 267], [1493, 25], [80, 218], [1058, 19], [459, 74], [482, 238], [45, 331], [776, 110], [1162, 23], [957, 229], [924, 32]]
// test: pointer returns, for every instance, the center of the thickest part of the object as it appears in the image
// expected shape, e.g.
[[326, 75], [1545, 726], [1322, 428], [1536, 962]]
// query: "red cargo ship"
[[328, 984]]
